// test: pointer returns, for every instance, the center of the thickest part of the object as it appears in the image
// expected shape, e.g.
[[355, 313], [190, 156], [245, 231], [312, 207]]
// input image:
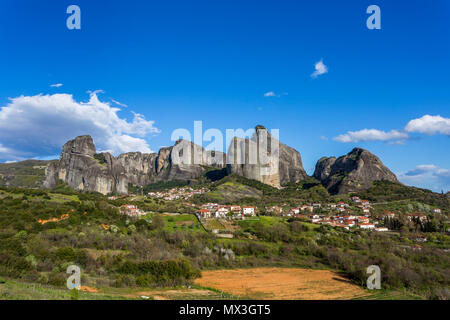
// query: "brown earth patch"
[[89, 289], [281, 284]]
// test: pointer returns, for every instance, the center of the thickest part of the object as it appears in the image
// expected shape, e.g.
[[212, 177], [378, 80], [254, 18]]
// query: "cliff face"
[[79, 169], [265, 159], [352, 172], [83, 169]]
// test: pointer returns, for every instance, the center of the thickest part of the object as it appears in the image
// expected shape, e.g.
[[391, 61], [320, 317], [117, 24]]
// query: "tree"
[[158, 222]]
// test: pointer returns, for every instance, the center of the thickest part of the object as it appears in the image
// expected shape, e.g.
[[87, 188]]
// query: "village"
[[340, 215], [355, 214], [177, 193]]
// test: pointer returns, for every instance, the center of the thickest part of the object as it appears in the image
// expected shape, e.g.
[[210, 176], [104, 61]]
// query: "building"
[[248, 210], [275, 209], [235, 208], [315, 218], [307, 208], [437, 210], [204, 213], [362, 220], [131, 210], [368, 226], [222, 212]]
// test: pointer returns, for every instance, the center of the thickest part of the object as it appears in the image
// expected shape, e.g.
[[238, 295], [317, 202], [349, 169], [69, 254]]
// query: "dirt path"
[[281, 283]]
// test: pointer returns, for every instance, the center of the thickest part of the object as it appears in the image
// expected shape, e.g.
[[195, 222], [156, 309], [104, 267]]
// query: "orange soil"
[[105, 226], [63, 217], [281, 284], [89, 289]]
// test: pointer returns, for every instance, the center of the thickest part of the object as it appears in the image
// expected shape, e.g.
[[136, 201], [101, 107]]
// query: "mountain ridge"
[[82, 168]]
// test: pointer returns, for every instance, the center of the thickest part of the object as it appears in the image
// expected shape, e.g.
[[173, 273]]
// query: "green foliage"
[[391, 191], [166, 252], [100, 157], [162, 273], [164, 185], [24, 174]]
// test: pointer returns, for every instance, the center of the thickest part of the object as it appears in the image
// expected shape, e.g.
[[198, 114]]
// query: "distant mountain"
[[262, 158], [26, 174], [352, 172]]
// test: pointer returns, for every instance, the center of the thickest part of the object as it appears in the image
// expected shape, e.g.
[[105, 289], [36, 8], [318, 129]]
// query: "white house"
[[248, 210], [368, 226], [315, 218], [204, 213]]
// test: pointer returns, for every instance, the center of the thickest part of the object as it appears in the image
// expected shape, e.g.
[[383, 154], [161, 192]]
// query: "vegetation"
[[43, 232], [29, 174], [100, 157]]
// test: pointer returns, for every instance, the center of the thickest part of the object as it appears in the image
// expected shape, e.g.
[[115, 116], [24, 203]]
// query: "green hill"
[[230, 191], [24, 174]]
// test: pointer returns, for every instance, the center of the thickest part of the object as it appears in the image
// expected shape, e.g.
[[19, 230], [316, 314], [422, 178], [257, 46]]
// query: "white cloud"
[[119, 104], [320, 68], [371, 135], [427, 176], [273, 94], [56, 85], [429, 125], [37, 126]]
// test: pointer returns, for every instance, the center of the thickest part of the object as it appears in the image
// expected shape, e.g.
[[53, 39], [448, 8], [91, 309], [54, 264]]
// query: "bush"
[[164, 273]]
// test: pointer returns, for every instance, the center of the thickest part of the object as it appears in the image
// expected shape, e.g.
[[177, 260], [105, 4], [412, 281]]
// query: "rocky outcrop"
[[139, 167], [83, 169], [264, 158], [79, 169], [353, 172]]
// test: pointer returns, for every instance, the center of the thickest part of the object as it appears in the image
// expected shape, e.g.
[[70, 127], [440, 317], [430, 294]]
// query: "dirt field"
[[281, 284]]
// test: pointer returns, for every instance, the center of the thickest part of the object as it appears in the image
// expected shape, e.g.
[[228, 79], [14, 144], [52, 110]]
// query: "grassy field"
[[270, 221], [15, 290], [54, 197], [185, 222]]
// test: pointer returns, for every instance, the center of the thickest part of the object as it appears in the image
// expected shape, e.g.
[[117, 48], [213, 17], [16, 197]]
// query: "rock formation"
[[80, 170], [264, 158], [352, 172], [83, 169]]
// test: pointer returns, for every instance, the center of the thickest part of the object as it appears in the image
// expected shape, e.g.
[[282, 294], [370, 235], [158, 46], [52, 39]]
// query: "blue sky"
[[180, 61]]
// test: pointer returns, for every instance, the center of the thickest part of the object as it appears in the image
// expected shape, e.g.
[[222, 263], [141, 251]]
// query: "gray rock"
[[353, 172], [80, 170], [140, 168], [266, 159]]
